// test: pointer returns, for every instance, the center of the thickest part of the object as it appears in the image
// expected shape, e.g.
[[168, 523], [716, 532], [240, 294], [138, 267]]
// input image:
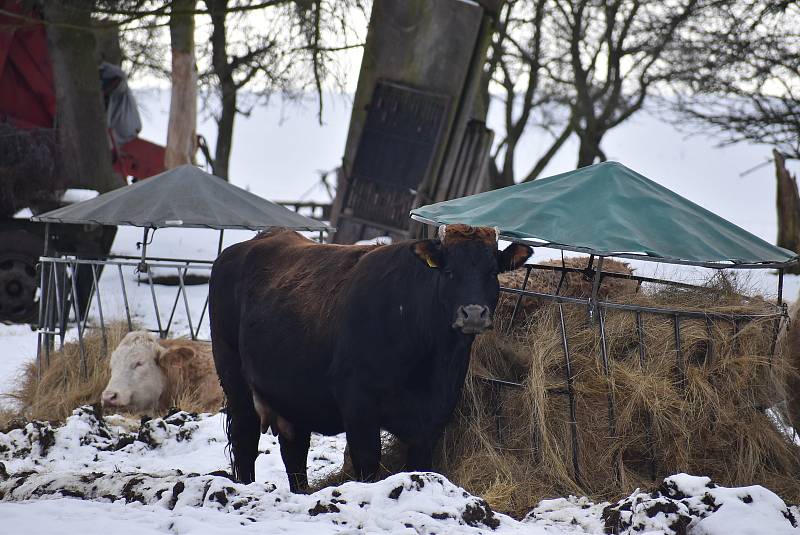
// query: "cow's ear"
[[175, 356], [430, 252], [513, 256]]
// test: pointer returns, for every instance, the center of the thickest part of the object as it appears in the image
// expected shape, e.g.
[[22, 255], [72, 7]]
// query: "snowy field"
[[159, 479], [96, 475]]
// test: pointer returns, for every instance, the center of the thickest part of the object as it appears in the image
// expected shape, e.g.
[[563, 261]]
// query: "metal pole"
[[49, 317], [612, 417], [598, 274], [648, 417], [186, 303], [42, 299], [519, 297], [573, 418], [221, 237], [99, 308], [143, 264], [125, 298], [780, 287], [200, 321], [76, 309], [161, 332]]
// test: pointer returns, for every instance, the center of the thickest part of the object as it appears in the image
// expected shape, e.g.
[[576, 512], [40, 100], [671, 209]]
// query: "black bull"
[[332, 338]]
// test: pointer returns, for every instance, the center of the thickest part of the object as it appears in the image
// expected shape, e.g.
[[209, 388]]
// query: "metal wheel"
[[19, 254]]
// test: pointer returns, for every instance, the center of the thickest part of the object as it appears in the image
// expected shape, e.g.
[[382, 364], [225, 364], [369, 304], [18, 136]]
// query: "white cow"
[[148, 374]]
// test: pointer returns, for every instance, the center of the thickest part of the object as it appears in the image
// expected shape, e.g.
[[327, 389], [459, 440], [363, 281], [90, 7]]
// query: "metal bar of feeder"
[[174, 303], [125, 298], [561, 281], [612, 425], [186, 301], [610, 274], [780, 286], [651, 310], [100, 309], [88, 305], [60, 290], [50, 319], [648, 417], [161, 332], [76, 308], [598, 275], [519, 297], [202, 315], [612, 416], [221, 237], [41, 323], [573, 417]]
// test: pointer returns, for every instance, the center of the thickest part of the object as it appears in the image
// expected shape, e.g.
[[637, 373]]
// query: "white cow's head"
[[137, 377]]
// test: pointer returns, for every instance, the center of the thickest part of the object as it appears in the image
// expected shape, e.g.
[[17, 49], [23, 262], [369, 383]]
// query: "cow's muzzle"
[[110, 398], [473, 319]]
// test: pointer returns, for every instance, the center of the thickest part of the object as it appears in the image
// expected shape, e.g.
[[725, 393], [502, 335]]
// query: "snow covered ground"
[[96, 475]]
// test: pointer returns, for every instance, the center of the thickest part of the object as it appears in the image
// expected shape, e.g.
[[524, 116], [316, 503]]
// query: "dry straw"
[[514, 445]]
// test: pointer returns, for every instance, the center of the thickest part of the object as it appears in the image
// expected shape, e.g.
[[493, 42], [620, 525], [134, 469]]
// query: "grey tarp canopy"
[[182, 197], [607, 209]]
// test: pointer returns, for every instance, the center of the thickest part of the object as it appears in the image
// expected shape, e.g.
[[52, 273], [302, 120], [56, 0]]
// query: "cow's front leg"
[[294, 451], [364, 440], [362, 424], [420, 456]]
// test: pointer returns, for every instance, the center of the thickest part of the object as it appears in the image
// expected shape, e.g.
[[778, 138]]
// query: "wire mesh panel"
[[120, 292]]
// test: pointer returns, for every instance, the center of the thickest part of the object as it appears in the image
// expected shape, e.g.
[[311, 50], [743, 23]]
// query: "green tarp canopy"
[[607, 209]]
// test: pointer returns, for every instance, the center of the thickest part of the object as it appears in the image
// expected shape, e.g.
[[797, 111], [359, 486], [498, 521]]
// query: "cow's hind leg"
[[242, 421], [294, 451]]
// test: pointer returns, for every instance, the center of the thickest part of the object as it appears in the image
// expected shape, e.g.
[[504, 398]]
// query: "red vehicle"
[[29, 177]]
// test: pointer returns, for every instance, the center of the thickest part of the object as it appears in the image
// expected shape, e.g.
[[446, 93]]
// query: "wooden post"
[[788, 204], [181, 132]]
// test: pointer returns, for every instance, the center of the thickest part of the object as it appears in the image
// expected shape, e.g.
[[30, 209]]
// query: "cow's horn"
[[442, 232], [496, 233]]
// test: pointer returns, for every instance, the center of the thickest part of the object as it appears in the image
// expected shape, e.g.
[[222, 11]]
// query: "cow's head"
[[467, 262], [138, 376]]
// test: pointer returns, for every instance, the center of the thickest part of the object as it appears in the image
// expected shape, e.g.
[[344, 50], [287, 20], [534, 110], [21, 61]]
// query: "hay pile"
[[710, 423], [573, 285]]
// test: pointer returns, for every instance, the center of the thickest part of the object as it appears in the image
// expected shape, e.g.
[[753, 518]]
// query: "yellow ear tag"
[[430, 262]]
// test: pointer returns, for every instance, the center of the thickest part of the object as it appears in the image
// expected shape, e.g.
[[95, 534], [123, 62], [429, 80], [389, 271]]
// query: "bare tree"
[[745, 77], [518, 62], [288, 54], [580, 67], [255, 48]]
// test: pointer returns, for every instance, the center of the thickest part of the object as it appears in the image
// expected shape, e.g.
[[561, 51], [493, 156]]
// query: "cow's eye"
[[137, 364]]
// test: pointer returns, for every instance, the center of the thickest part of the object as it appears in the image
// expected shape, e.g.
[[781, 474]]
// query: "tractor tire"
[[19, 255]]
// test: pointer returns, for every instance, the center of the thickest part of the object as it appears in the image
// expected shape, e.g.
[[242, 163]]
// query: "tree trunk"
[[788, 204], [589, 149], [222, 153], [224, 73], [181, 132], [81, 118]]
